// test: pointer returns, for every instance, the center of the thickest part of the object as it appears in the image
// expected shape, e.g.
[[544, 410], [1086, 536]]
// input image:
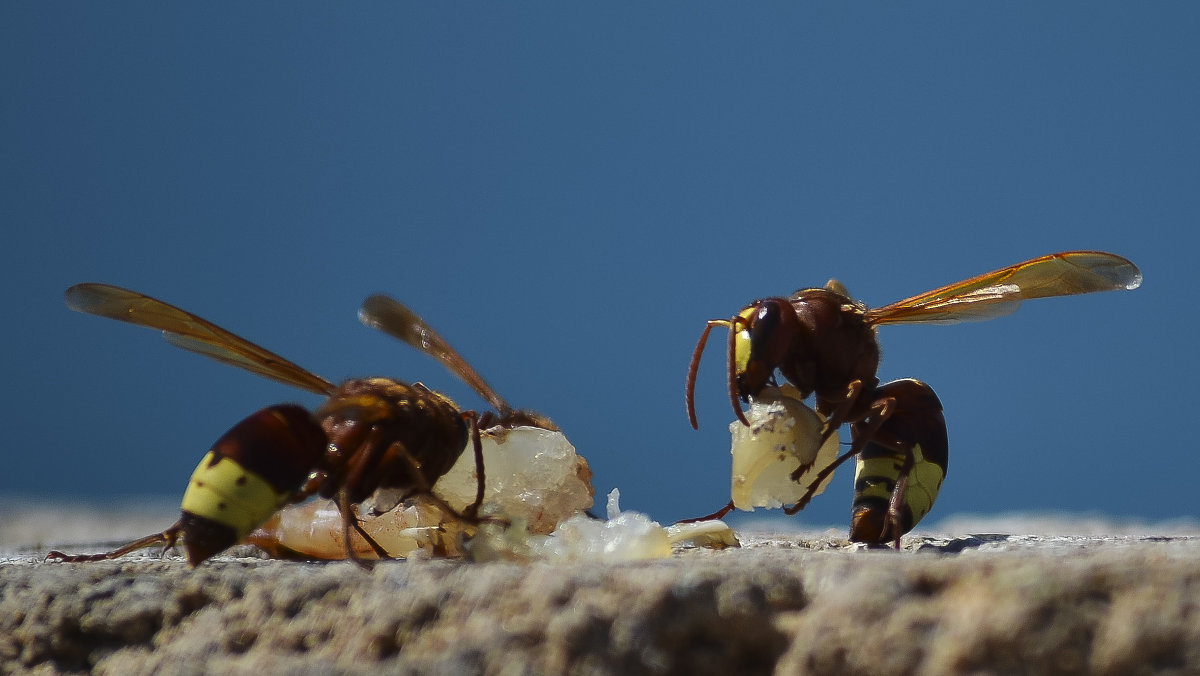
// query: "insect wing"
[[272, 367], [390, 316], [185, 330], [999, 293]]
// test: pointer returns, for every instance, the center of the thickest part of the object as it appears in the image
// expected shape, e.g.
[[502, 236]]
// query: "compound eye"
[[762, 343], [769, 339]]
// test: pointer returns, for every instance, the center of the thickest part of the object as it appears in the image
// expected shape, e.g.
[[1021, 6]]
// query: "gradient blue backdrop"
[[567, 191]]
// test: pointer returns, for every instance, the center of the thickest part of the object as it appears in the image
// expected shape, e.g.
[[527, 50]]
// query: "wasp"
[[373, 438], [824, 343]]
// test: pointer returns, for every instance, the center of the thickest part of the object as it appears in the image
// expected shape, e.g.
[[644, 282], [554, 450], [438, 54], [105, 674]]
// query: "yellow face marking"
[[227, 493], [741, 342]]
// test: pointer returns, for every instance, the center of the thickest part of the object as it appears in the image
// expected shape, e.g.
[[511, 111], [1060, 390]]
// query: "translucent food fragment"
[[713, 534], [784, 434], [624, 536]]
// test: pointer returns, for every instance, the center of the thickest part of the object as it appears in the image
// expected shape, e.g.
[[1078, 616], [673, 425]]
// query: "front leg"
[[842, 414], [350, 521], [719, 514], [879, 412], [472, 421]]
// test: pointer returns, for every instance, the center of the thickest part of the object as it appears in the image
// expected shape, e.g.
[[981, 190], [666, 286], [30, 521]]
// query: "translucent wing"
[[186, 330], [999, 293], [388, 315]]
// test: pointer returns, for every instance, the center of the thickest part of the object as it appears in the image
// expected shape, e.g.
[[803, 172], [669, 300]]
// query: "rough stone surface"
[[785, 604]]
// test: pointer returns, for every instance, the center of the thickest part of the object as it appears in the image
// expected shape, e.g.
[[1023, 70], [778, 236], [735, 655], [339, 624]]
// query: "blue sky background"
[[568, 191]]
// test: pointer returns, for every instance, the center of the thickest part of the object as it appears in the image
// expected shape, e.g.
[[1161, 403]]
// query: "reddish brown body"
[[371, 434], [830, 346], [387, 434], [282, 444], [279, 446], [823, 342], [910, 447]]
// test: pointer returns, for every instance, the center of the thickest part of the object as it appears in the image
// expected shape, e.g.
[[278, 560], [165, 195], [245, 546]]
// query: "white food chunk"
[[532, 475], [784, 434]]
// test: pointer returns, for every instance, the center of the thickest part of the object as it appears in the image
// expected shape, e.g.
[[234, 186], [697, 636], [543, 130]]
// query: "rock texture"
[[790, 604]]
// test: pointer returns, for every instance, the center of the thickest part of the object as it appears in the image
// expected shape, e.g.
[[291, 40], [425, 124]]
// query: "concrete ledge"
[[782, 604]]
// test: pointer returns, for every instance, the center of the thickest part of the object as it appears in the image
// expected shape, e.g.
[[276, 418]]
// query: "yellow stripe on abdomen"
[[225, 492], [924, 482], [876, 476], [881, 472]]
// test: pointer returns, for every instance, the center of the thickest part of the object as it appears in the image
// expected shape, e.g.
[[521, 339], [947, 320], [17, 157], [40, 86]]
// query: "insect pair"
[[379, 433], [824, 343], [372, 437]]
